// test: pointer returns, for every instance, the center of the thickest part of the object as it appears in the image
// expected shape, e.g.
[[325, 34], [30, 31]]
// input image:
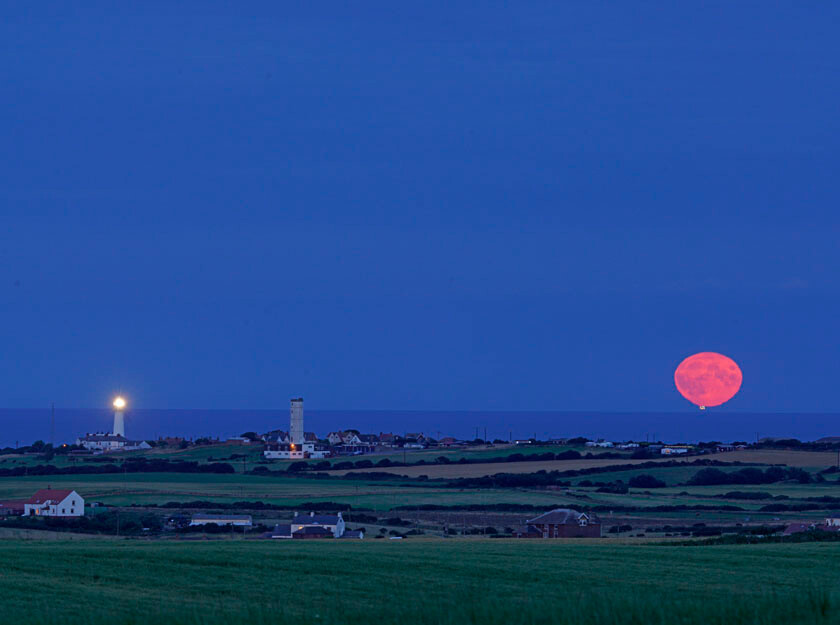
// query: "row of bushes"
[[344, 465], [749, 475], [316, 506], [138, 465]]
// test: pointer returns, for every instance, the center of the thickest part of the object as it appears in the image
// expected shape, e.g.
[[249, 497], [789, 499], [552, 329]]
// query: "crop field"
[[417, 581], [480, 470]]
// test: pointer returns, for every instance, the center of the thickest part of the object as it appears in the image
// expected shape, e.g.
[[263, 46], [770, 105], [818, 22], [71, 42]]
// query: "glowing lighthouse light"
[[119, 417]]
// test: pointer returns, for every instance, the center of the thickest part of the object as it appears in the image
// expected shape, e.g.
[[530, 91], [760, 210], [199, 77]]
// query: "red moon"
[[708, 379]]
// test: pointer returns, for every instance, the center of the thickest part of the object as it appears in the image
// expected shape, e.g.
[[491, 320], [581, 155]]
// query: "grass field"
[[420, 581]]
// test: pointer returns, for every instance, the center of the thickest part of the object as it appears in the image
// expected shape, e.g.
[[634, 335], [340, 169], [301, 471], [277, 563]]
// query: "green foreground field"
[[421, 581]]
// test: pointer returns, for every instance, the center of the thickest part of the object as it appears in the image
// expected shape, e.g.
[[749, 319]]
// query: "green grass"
[[420, 581]]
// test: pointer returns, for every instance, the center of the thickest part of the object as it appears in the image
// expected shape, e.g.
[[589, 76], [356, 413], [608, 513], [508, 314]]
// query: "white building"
[[239, 520], [115, 440], [674, 450], [299, 444], [55, 502], [330, 522], [110, 442]]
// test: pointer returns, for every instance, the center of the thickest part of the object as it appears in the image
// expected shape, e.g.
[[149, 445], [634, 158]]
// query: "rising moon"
[[708, 379]]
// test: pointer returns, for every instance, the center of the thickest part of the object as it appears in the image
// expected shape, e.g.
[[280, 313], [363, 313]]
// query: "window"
[[63, 510]]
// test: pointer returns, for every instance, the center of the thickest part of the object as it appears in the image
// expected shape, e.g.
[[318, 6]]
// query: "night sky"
[[418, 205]]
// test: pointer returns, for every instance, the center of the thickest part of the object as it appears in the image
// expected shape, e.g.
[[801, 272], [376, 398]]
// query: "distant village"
[[295, 443], [298, 444]]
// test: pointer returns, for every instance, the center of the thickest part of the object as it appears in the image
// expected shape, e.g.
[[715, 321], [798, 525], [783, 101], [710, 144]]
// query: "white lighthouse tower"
[[296, 436], [119, 417]]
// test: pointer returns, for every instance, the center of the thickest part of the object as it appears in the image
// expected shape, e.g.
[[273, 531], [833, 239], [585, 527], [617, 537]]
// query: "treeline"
[[809, 536], [316, 506], [345, 465], [110, 522], [749, 475], [135, 465], [555, 478]]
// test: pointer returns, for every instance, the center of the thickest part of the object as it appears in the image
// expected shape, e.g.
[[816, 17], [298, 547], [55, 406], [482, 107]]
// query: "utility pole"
[[485, 435], [52, 425]]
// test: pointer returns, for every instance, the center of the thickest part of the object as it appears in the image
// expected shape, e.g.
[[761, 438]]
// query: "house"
[[55, 502], [170, 441], [448, 441], [349, 437], [276, 436], [356, 534], [312, 531], [601, 443], [331, 522], [239, 520], [238, 440], [562, 523], [12, 508], [415, 437], [832, 522], [628, 445], [372, 440], [110, 442], [674, 450], [386, 439], [310, 437]]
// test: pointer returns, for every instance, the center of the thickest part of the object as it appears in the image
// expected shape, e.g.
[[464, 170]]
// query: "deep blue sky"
[[454, 205]]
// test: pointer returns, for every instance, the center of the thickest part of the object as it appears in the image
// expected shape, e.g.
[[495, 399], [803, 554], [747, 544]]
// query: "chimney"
[[296, 513], [312, 513]]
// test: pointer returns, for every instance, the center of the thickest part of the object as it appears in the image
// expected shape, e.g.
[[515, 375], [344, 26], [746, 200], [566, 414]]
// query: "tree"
[[646, 481]]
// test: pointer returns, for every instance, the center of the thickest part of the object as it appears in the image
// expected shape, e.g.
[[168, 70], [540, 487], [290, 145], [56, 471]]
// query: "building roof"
[[101, 438], [369, 438], [49, 494], [12, 505], [318, 519], [310, 437], [353, 534], [526, 529], [282, 530], [560, 516]]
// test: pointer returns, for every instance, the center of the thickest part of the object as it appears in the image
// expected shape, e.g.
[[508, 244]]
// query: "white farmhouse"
[[55, 502], [110, 442]]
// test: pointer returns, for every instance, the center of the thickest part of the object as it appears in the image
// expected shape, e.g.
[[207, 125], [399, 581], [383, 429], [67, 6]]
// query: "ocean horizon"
[[23, 426]]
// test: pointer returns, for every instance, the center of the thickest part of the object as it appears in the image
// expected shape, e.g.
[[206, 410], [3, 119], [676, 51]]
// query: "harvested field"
[[770, 456]]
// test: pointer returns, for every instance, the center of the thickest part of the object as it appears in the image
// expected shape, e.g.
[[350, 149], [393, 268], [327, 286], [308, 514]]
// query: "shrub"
[[646, 481]]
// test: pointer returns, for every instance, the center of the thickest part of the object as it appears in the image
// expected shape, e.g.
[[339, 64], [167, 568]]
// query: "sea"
[[22, 427]]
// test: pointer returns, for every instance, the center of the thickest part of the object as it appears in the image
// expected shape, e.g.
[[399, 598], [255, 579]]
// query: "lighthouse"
[[296, 435], [119, 417]]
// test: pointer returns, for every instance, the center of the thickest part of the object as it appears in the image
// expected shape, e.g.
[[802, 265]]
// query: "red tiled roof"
[[49, 494], [12, 505]]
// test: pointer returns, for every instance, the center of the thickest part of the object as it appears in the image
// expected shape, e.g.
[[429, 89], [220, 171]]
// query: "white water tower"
[[119, 416], [296, 422]]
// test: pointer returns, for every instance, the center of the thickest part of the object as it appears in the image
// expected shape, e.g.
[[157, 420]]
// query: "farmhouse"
[[55, 502], [110, 442], [315, 526], [239, 520], [561, 523]]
